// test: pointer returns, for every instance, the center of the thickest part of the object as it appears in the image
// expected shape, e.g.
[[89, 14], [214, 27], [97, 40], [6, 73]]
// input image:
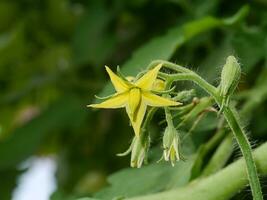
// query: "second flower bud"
[[171, 145]]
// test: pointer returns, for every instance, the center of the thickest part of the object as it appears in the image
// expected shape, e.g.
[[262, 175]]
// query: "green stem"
[[170, 65], [232, 119], [168, 117], [199, 81], [246, 151], [168, 114]]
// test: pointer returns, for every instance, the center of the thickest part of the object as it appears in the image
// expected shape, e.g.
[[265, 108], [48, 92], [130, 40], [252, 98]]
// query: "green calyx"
[[230, 76]]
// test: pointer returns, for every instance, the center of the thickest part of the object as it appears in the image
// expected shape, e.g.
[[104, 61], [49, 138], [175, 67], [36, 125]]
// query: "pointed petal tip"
[[159, 65], [93, 106], [109, 71], [107, 68], [176, 104], [179, 103], [157, 68], [158, 101]]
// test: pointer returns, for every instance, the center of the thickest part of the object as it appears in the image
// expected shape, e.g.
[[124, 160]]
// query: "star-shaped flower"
[[135, 96]]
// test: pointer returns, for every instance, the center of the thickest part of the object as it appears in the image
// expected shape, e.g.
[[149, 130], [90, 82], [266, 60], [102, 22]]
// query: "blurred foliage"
[[52, 57]]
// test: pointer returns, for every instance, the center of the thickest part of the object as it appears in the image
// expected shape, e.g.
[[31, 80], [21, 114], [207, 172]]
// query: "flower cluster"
[[152, 88]]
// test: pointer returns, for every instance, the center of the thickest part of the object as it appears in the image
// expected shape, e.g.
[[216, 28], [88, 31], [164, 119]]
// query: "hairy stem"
[[246, 151], [230, 116]]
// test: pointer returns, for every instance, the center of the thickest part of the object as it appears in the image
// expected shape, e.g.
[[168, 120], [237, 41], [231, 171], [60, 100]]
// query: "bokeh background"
[[52, 57]]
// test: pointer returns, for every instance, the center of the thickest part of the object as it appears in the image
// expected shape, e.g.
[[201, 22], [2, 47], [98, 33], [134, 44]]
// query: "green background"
[[52, 57]]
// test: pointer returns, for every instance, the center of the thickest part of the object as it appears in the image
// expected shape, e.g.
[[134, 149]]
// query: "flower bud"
[[171, 145], [185, 95], [140, 147], [230, 76]]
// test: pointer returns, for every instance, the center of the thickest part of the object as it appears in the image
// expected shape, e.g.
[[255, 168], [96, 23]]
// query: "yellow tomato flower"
[[135, 96]]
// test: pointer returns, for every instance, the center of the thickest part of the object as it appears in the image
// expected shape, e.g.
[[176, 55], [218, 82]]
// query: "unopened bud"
[[185, 95], [171, 145], [230, 76], [140, 147]]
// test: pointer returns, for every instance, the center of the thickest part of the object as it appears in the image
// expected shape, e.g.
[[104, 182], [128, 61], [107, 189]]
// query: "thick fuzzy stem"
[[246, 151]]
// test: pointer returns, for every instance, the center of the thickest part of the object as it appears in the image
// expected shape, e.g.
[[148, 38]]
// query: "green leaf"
[[220, 157], [60, 16], [13, 48], [8, 11], [8, 182], [250, 47], [163, 47], [92, 42], [24, 141], [148, 179], [204, 150], [87, 198]]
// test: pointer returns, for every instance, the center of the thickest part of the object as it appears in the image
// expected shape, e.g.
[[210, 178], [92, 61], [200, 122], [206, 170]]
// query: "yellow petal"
[[119, 84], [134, 101], [136, 124], [158, 101], [117, 101], [147, 80]]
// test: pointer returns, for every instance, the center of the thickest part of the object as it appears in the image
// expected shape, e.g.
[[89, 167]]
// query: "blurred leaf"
[[92, 42], [249, 46], [61, 16], [148, 179], [26, 140], [205, 7], [215, 59], [163, 47], [55, 58], [8, 12], [8, 182], [13, 48], [203, 151], [87, 198], [220, 156]]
